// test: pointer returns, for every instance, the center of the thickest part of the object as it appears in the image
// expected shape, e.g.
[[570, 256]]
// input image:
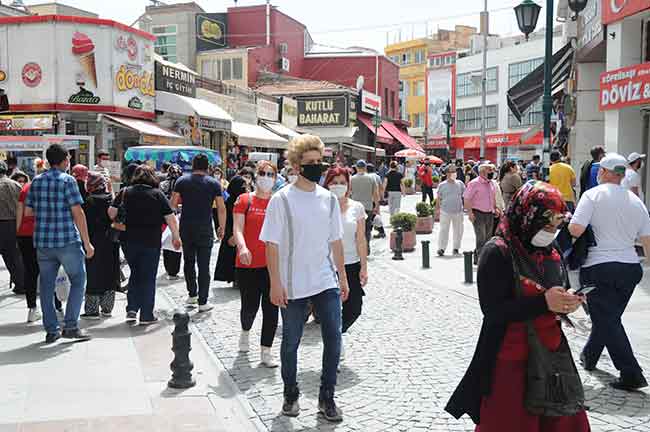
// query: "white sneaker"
[[192, 301], [267, 358], [244, 344], [33, 315], [206, 307]]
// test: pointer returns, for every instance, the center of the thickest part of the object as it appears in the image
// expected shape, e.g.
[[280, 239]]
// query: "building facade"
[[412, 57]]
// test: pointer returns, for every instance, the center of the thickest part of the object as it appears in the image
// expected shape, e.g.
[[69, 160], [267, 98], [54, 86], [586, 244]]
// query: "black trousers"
[[352, 307], [172, 262], [369, 219], [254, 288], [427, 191], [197, 248], [30, 263], [10, 254]]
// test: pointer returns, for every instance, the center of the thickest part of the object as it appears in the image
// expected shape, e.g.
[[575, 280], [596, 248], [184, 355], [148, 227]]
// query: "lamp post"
[[527, 14], [448, 120], [376, 122]]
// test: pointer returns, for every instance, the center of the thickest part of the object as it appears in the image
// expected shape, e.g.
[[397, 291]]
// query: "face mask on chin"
[[543, 238]]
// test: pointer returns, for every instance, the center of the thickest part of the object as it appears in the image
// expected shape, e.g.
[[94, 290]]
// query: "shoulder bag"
[[553, 385], [119, 224]]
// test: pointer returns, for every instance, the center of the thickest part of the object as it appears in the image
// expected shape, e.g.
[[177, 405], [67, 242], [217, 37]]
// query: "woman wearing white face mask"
[[355, 250], [251, 272]]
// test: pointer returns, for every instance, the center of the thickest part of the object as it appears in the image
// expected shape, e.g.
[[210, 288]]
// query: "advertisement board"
[[370, 103], [440, 87], [616, 10], [267, 110], [497, 140], [175, 80], [26, 122], [64, 63], [211, 31], [323, 111], [289, 112], [625, 87]]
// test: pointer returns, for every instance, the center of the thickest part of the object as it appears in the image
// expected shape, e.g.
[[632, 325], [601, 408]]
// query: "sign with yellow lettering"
[[323, 111], [128, 78]]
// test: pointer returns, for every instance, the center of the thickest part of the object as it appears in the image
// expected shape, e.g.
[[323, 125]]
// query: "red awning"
[[404, 138], [382, 135]]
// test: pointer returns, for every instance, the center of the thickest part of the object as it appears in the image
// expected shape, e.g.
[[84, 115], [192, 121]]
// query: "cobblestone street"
[[404, 356]]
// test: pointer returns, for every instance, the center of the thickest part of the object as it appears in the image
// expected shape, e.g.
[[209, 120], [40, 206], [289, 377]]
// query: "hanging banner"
[[625, 87]]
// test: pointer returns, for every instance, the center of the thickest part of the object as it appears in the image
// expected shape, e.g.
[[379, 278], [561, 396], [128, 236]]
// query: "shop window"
[[469, 119], [237, 68], [226, 69]]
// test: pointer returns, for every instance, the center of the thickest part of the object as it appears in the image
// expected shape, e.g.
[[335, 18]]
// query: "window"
[[165, 44], [419, 56], [406, 89], [418, 88], [417, 120], [385, 102], [392, 104], [517, 71], [465, 86], [531, 117], [226, 69], [237, 69], [469, 119], [405, 58], [284, 48], [216, 70], [206, 68]]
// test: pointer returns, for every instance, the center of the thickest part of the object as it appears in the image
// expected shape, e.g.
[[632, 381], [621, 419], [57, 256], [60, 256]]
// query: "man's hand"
[[345, 290], [90, 250], [176, 242], [363, 276], [279, 295], [245, 256], [472, 217], [220, 233]]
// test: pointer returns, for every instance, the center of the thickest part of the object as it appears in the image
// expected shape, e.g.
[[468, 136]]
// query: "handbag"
[[553, 385], [120, 220]]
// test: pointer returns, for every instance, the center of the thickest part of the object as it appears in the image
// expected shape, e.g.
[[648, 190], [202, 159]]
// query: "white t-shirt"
[[354, 213], [618, 218], [316, 221], [633, 179]]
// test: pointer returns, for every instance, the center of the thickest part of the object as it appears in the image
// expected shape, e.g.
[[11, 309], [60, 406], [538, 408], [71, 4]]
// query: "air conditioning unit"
[[285, 64]]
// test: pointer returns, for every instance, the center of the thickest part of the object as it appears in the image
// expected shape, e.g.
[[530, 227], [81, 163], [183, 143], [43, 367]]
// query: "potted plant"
[[436, 181], [407, 222], [408, 185], [424, 224]]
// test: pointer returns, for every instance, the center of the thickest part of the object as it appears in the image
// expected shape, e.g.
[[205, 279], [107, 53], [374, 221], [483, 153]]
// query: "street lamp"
[[448, 120], [527, 14], [577, 6]]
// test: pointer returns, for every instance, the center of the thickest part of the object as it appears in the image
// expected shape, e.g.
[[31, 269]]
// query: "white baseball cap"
[[614, 162], [634, 156]]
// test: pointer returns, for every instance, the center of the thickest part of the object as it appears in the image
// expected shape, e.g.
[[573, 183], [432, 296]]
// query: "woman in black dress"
[[103, 268], [225, 270]]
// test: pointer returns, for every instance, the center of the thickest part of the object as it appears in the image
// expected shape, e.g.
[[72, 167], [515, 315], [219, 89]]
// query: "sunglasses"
[[266, 174]]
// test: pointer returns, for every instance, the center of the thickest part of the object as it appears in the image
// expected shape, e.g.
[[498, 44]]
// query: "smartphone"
[[584, 290]]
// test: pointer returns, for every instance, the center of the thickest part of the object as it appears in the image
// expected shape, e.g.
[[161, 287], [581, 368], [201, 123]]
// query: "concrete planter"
[[424, 225], [409, 190], [409, 241]]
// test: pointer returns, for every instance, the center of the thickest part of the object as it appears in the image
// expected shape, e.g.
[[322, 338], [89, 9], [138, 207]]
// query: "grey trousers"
[[483, 229]]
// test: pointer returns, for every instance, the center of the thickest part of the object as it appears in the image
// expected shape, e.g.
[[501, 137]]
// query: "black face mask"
[[490, 176], [312, 172]]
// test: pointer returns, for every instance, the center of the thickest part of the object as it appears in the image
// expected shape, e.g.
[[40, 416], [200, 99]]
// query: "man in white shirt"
[[618, 218], [632, 180], [303, 232], [450, 206]]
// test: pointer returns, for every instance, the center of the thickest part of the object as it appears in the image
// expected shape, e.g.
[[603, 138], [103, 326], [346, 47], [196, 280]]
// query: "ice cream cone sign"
[[84, 49]]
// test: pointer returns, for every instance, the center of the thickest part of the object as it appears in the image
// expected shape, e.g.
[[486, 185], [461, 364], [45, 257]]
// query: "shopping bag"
[[62, 285], [166, 239]]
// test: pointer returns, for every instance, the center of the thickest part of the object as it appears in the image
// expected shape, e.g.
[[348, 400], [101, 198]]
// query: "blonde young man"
[[303, 232]]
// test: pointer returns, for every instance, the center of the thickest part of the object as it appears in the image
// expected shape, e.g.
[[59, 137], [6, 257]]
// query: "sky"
[[344, 23]]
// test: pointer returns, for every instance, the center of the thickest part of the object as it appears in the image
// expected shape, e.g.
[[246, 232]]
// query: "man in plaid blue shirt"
[[60, 227]]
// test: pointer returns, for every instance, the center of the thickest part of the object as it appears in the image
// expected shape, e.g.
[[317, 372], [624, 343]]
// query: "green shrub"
[[408, 182], [436, 179], [406, 221], [423, 209]]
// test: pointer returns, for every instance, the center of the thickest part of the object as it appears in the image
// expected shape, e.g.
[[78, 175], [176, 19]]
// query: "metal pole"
[[426, 262], [547, 101], [399, 244], [374, 142], [485, 19], [181, 366], [469, 269]]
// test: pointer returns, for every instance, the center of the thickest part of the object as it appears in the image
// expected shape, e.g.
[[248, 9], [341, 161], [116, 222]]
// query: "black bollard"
[[181, 366], [425, 254], [469, 267], [399, 238]]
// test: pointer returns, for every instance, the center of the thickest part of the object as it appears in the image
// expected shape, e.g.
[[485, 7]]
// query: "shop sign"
[[267, 110], [323, 111], [135, 103], [84, 97], [625, 87], [370, 103], [211, 31], [26, 122], [129, 45], [213, 124], [129, 78], [590, 26], [32, 74], [174, 80], [289, 112], [496, 140], [616, 10], [436, 143]]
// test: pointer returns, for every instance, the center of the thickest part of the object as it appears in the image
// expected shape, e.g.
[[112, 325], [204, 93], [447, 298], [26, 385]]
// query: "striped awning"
[[527, 91], [173, 154]]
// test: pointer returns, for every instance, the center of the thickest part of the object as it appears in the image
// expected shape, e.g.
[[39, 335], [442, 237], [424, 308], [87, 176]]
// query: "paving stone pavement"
[[404, 357]]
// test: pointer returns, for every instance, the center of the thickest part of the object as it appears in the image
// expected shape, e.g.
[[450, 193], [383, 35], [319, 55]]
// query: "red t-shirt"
[[253, 221], [426, 176], [27, 224]]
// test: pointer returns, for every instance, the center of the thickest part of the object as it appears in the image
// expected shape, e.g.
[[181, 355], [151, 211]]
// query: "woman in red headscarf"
[[493, 390], [80, 173]]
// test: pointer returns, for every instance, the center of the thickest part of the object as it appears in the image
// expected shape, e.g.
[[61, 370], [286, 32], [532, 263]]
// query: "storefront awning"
[[256, 136], [382, 134], [210, 116], [146, 128], [527, 91], [405, 139], [333, 135], [363, 148], [280, 129], [173, 154]]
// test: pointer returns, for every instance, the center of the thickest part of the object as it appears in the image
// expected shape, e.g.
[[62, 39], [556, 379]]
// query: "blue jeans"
[[143, 263], [328, 307], [73, 260], [615, 283], [197, 248]]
